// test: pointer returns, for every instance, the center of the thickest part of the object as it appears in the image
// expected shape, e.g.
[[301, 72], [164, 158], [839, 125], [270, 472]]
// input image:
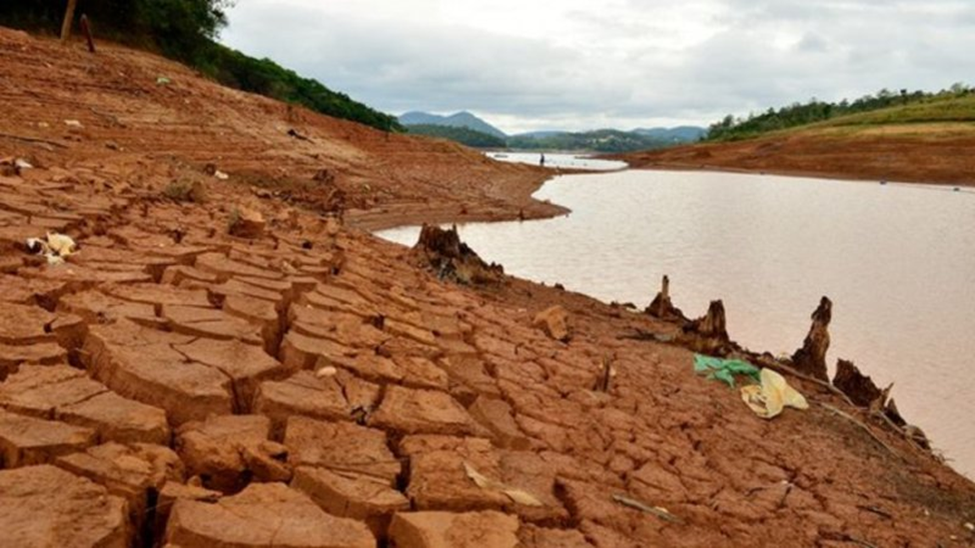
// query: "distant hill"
[[460, 119], [603, 140], [680, 134], [462, 135], [923, 106], [922, 138], [540, 134]]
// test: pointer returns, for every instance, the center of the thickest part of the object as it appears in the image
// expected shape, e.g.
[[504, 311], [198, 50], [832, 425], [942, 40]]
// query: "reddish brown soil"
[[311, 386], [937, 154]]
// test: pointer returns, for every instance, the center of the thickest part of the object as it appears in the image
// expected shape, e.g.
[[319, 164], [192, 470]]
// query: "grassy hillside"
[[185, 30], [951, 105]]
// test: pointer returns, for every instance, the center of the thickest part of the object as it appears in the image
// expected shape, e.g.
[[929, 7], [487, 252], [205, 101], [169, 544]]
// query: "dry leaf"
[[480, 479], [516, 495], [522, 497]]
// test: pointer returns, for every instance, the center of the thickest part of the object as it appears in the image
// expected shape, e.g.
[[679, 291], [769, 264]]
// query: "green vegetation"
[[954, 104], [603, 140], [462, 135], [185, 30]]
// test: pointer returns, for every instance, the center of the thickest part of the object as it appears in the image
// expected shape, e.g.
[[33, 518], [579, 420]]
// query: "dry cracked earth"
[[301, 384]]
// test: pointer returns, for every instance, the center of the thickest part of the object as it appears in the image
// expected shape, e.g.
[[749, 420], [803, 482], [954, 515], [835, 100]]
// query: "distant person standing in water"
[[541, 161]]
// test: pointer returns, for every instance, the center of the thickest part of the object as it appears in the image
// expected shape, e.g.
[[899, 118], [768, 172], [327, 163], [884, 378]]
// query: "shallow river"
[[898, 261]]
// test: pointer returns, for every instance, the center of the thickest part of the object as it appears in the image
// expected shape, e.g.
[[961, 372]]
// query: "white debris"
[[21, 163], [221, 175], [327, 371], [72, 123], [54, 246]]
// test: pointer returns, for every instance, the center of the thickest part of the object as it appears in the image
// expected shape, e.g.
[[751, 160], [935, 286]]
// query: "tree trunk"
[[68, 20]]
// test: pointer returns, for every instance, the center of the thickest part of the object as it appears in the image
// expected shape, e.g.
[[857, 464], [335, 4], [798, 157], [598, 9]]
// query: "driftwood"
[[659, 512], [32, 140]]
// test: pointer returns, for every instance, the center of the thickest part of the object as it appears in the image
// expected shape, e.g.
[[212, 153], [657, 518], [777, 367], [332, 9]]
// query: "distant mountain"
[[603, 140], [681, 134], [460, 119], [540, 134]]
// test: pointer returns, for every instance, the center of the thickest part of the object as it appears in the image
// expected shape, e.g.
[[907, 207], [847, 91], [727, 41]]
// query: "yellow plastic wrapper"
[[769, 398]]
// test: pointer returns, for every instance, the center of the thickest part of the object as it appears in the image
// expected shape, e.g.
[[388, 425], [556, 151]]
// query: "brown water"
[[898, 261]]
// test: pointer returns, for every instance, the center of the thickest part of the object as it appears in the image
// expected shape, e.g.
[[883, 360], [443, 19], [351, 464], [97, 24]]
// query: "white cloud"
[[526, 64]]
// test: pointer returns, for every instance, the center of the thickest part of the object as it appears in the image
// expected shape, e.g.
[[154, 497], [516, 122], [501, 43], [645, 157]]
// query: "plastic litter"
[[162, 81], [72, 123], [20, 163], [724, 370], [54, 246], [774, 394]]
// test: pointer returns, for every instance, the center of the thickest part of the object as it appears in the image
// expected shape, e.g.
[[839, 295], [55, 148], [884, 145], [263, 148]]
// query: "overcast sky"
[[586, 64]]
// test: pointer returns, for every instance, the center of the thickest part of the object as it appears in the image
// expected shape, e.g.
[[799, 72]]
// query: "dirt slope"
[[240, 370], [938, 153], [125, 113]]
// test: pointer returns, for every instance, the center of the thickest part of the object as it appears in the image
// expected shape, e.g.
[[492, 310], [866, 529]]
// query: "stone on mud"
[[554, 322]]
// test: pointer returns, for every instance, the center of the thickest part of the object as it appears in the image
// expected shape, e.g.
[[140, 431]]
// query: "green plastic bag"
[[724, 370]]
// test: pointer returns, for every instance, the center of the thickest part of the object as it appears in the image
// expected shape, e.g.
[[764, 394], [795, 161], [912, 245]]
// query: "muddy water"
[[558, 160], [898, 261]]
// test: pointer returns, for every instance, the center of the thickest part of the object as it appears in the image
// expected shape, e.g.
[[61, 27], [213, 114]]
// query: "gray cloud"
[[626, 63]]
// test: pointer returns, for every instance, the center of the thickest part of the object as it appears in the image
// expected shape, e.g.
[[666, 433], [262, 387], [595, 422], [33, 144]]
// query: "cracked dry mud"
[[313, 387]]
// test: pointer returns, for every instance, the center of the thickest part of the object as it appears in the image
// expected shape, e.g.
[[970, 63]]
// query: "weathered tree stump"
[[859, 387], [708, 334], [452, 259], [811, 358], [662, 307]]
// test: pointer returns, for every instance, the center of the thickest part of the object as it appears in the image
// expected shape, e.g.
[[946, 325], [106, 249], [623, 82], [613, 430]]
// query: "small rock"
[[247, 223], [21, 163], [554, 322]]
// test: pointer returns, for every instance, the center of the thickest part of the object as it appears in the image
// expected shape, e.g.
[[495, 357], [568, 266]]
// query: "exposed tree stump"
[[452, 259], [811, 358], [708, 335], [662, 307], [859, 387]]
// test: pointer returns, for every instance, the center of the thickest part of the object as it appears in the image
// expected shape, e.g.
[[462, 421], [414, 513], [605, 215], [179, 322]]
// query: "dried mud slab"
[[46, 506], [263, 515]]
